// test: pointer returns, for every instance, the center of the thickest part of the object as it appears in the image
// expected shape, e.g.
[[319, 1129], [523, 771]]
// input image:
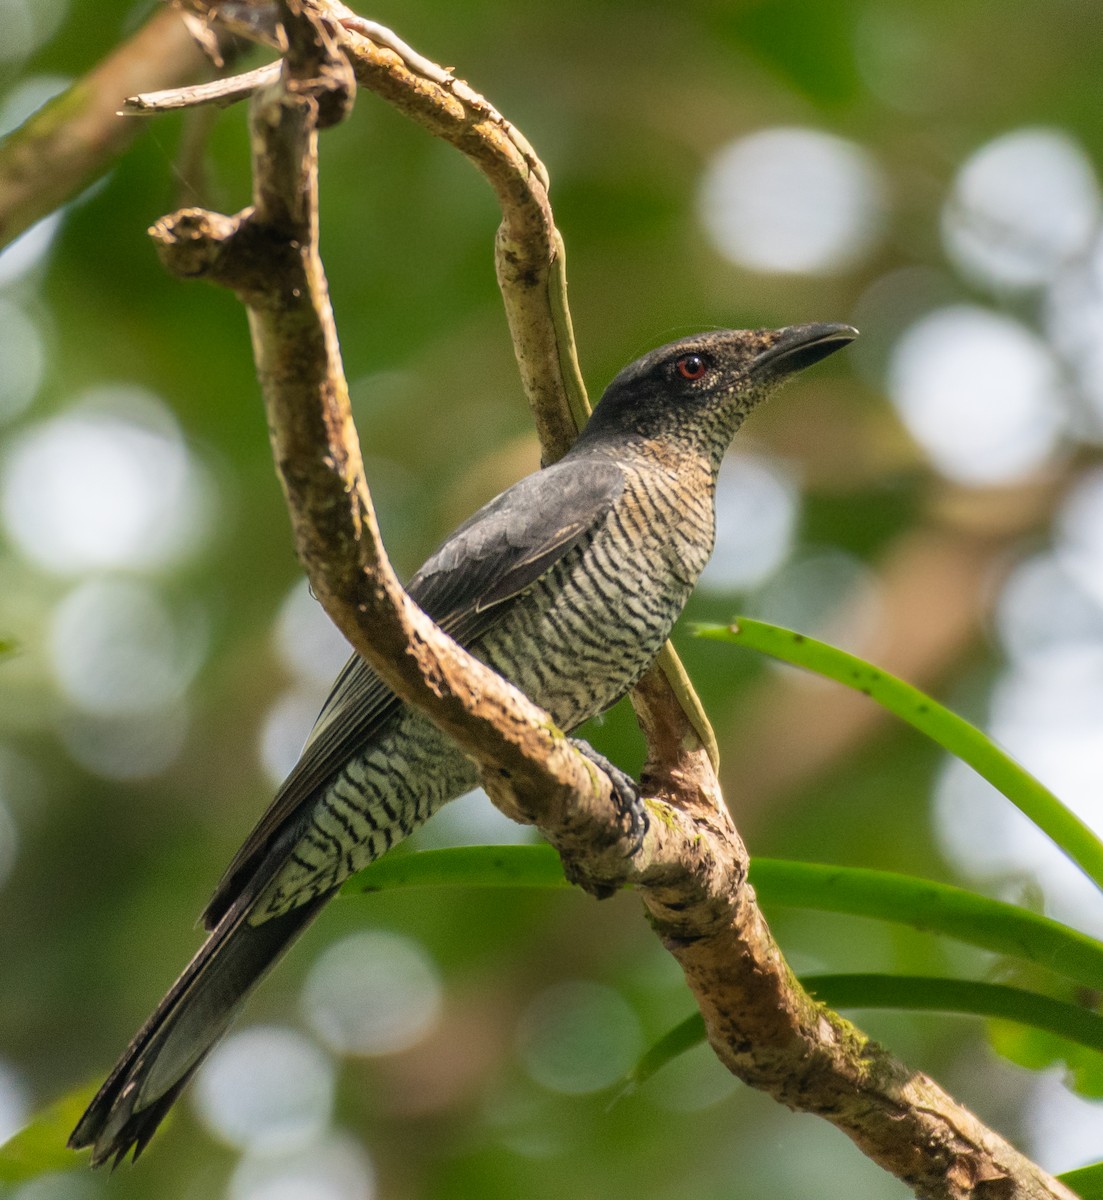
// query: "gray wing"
[[465, 587]]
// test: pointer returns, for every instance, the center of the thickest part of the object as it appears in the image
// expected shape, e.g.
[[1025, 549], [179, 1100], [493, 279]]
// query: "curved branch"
[[269, 256], [691, 870], [530, 258]]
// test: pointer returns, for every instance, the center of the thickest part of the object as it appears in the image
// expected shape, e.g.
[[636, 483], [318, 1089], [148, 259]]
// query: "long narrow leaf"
[[932, 907], [935, 908], [674, 1043], [1086, 1182], [39, 1147], [922, 993], [461, 866], [938, 723], [912, 993]]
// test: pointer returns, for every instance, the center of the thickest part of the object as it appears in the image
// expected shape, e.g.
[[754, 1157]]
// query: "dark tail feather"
[[188, 1022]]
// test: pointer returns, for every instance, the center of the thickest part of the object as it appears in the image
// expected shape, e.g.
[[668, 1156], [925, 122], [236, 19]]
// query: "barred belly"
[[575, 642]]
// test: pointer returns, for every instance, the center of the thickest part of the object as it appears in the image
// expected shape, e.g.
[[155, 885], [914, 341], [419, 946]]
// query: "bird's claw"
[[626, 795]]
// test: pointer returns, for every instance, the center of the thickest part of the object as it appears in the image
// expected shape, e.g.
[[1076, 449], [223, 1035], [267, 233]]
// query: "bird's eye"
[[693, 366]]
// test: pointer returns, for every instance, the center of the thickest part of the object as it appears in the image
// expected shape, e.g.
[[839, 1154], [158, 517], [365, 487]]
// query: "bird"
[[567, 584]]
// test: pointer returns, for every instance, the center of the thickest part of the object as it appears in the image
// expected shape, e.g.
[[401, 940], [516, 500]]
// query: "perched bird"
[[568, 584]]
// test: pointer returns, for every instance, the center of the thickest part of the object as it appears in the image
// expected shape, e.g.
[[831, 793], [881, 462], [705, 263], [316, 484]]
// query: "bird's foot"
[[626, 794]]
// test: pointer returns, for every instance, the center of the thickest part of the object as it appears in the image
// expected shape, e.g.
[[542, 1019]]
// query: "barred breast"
[[591, 626], [575, 642]]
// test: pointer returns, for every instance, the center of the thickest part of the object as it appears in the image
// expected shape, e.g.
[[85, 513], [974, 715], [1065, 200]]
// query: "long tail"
[[187, 1023]]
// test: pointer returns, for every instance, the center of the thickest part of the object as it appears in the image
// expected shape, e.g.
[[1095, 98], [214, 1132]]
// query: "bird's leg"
[[626, 794]]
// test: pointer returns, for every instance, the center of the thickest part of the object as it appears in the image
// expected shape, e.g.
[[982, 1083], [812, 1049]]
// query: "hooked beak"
[[800, 346]]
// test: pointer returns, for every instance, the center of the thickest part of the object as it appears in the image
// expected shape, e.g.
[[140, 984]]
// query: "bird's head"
[[698, 390]]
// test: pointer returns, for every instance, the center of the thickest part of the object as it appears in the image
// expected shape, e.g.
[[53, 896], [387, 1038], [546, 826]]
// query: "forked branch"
[[691, 870]]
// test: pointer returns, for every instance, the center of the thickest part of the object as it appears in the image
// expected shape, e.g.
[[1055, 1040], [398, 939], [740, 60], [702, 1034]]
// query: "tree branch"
[[70, 141], [530, 257], [268, 255], [691, 870]]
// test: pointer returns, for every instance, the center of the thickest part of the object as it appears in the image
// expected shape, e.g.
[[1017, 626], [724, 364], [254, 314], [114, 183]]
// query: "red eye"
[[693, 366]]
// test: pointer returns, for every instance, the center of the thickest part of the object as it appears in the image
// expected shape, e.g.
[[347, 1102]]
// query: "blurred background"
[[932, 499]]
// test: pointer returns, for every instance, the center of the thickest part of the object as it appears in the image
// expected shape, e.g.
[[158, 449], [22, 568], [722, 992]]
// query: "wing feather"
[[465, 587]]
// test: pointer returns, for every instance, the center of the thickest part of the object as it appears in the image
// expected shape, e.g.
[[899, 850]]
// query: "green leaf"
[[915, 993], [923, 993], [461, 866], [7, 646], [1086, 1182], [935, 908], [40, 1147], [1038, 1049], [932, 907], [949, 730], [684, 1036]]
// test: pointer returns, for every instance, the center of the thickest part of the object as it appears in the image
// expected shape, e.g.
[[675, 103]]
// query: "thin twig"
[[219, 92]]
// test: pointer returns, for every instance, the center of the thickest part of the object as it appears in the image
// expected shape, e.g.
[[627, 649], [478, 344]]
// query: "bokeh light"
[[308, 643], [373, 993], [286, 726], [1072, 318], [312, 649], [578, 1037], [987, 838], [1022, 207], [824, 592], [131, 747], [796, 201], [14, 1101], [108, 484], [333, 1168], [523, 1120], [31, 17], [1042, 607], [24, 357], [1049, 709], [472, 820], [1064, 1130], [266, 1089], [29, 250], [1046, 708], [897, 53], [757, 506], [123, 660], [31, 93], [980, 393], [118, 649], [1079, 530], [23, 793]]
